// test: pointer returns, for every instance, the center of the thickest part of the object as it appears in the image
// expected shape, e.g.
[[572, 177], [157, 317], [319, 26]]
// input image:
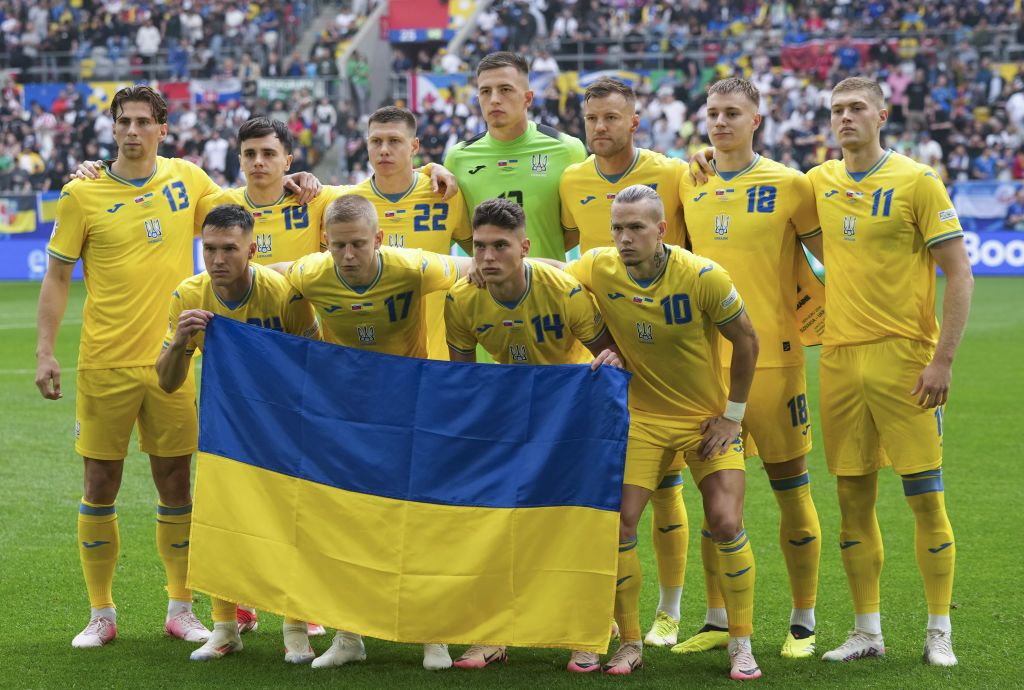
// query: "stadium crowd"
[[951, 105], [169, 41]]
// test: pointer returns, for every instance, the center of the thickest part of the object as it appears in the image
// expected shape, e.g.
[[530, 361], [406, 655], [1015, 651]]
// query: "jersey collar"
[[858, 177], [253, 204], [614, 179], [394, 198], [531, 127], [131, 183], [526, 293], [727, 176], [240, 303], [644, 284], [364, 288]]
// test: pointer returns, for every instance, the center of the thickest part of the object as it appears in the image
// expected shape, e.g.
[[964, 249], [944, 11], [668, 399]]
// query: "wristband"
[[734, 411]]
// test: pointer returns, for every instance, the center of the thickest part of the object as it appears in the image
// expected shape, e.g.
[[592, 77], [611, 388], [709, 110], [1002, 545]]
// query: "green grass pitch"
[[44, 597]]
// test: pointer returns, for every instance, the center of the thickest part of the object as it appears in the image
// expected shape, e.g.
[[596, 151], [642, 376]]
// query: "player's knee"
[[725, 527], [172, 479], [102, 480], [785, 470]]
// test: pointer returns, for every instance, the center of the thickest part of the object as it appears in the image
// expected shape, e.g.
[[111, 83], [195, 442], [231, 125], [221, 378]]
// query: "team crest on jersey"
[[153, 230], [367, 334], [264, 243], [849, 228], [722, 226], [508, 164], [645, 332], [539, 164], [518, 352], [396, 240]]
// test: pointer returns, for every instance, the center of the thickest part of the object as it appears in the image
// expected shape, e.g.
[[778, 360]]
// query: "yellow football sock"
[[799, 537], [173, 525], [709, 559], [627, 592], [99, 542], [736, 578], [936, 550], [860, 540], [224, 611], [670, 531]]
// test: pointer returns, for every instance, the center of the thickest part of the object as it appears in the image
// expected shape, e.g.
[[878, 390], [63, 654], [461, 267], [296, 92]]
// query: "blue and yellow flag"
[[406, 499], [18, 214]]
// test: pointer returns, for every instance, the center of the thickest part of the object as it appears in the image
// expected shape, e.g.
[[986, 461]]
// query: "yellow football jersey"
[[666, 329], [748, 222], [283, 230], [587, 195], [877, 229], [270, 303], [135, 239], [386, 315], [419, 219], [550, 324]]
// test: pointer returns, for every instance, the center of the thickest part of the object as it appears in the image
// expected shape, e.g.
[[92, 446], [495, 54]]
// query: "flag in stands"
[[370, 493]]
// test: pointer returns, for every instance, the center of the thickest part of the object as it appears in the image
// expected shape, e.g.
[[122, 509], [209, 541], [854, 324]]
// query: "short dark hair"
[[392, 113], [605, 86], [501, 213], [350, 208], [503, 58], [258, 127], [140, 93], [229, 216]]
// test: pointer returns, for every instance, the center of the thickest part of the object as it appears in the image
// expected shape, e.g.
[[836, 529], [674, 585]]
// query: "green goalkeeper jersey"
[[525, 170]]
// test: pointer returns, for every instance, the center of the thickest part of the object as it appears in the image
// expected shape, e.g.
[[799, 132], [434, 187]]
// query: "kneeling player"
[[237, 289], [528, 313], [371, 297], [665, 308]]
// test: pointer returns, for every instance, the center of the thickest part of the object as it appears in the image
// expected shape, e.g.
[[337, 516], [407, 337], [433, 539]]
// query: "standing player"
[[371, 297], [516, 159], [411, 214], [528, 313], [587, 190], [133, 230], [665, 308], [885, 363], [234, 288], [748, 218], [284, 228]]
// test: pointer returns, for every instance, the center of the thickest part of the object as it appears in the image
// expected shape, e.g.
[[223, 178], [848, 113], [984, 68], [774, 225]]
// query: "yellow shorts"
[[869, 420], [655, 449], [777, 424], [110, 401]]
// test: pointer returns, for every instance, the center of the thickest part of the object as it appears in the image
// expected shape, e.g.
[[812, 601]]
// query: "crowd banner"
[[982, 206], [367, 492]]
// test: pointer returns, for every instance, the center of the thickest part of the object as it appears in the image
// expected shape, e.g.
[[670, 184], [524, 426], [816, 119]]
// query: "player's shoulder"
[[823, 171], [773, 168], [313, 264], [910, 169], [692, 263], [478, 141], [649, 158], [463, 291], [269, 277], [404, 258], [192, 288], [576, 171], [178, 166], [546, 276], [232, 195]]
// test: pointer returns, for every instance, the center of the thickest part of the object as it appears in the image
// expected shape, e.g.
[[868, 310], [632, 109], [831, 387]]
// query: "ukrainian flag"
[[17, 214], [406, 499]]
